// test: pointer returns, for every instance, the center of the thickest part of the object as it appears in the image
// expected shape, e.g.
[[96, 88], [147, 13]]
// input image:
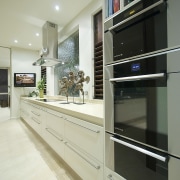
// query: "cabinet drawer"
[[85, 167], [55, 121], [87, 136], [54, 131], [36, 118]]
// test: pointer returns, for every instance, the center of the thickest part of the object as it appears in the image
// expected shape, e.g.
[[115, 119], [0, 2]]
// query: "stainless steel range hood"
[[49, 52]]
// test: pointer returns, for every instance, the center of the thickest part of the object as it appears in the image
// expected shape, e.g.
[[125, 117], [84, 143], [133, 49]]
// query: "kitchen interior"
[[110, 76]]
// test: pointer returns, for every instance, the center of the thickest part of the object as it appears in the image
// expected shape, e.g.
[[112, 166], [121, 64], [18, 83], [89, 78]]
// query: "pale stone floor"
[[25, 156]]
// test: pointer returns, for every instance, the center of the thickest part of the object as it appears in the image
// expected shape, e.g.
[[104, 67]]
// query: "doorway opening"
[[4, 94]]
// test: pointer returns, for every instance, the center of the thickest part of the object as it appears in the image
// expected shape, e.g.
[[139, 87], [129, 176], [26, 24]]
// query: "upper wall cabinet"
[[4, 57], [113, 7]]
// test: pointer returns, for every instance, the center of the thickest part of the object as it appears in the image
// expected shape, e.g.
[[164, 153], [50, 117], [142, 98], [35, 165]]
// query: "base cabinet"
[[53, 131], [87, 136], [85, 166], [37, 117], [78, 142], [25, 111]]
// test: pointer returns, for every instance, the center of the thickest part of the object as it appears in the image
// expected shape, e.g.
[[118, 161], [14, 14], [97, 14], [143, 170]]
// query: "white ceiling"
[[22, 19]]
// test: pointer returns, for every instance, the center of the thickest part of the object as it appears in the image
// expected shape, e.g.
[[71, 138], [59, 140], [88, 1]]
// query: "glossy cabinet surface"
[[53, 131], [87, 136], [77, 142]]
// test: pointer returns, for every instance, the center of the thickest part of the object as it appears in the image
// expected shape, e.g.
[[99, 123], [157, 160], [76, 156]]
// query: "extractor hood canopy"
[[49, 52]]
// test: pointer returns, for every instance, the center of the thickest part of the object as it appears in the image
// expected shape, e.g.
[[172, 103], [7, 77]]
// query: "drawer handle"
[[35, 113], [80, 154], [52, 132], [140, 77], [35, 120], [139, 149], [110, 177], [96, 131], [55, 114]]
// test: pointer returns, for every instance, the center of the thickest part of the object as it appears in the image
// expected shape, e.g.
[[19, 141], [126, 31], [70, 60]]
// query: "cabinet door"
[[85, 166], [54, 131], [87, 136]]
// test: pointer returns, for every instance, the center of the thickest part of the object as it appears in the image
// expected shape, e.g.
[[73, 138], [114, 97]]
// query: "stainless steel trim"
[[141, 77], [137, 14], [35, 120], [80, 154], [139, 149], [35, 113], [96, 131], [119, 12], [52, 132], [145, 56], [55, 114]]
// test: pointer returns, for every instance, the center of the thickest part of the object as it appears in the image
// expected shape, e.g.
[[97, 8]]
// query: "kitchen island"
[[73, 130]]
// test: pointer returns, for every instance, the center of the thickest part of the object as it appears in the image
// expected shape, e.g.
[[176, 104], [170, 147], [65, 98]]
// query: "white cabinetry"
[[88, 136], [25, 111], [33, 115], [78, 142], [37, 117], [54, 131], [84, 147], [84, 165]]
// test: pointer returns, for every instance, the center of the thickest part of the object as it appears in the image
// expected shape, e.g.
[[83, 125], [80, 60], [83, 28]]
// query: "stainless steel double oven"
[[141, 72]]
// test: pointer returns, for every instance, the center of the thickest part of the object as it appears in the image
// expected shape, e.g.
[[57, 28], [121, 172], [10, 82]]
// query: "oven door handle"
[[140, 77], [111, 29], [139, 149]]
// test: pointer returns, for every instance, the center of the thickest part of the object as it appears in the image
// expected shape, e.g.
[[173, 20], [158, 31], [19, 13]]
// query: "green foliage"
[[41, 83], [33, 94]]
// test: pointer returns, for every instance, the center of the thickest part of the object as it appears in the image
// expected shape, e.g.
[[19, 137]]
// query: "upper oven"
[[140, 29]]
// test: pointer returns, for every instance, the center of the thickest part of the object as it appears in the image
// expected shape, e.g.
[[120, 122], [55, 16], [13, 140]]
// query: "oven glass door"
[[142, 34], [132, 164], [140, 101]]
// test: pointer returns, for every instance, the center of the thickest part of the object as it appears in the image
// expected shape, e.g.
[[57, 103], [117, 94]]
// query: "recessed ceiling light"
[[16, 41], [57, 8], [37, 34], [30, 44]]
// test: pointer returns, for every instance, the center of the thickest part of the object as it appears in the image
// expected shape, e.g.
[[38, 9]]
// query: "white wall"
[[4, 57], [84, 22], [21, 61]]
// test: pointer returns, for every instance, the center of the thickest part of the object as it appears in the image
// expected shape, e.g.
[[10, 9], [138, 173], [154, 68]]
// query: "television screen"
[[24, 79]]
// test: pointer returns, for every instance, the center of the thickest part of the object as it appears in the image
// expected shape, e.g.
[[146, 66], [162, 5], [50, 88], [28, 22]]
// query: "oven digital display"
[[135, 67]]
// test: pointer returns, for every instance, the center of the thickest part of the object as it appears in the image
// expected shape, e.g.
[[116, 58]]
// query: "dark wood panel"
[[98, 56]]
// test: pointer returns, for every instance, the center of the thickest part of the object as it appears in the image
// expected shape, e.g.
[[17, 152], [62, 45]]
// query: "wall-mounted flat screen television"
[[24, 79]]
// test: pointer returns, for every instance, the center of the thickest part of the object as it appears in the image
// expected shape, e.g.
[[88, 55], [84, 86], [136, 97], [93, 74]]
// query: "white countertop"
[[91, 111]]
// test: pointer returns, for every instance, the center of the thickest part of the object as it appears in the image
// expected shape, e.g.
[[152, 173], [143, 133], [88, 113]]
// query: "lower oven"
[[136, 117], [133, 161]]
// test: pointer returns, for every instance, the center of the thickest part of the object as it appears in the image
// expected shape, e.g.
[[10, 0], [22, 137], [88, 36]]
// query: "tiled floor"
[[25, 156], [4, 113]]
